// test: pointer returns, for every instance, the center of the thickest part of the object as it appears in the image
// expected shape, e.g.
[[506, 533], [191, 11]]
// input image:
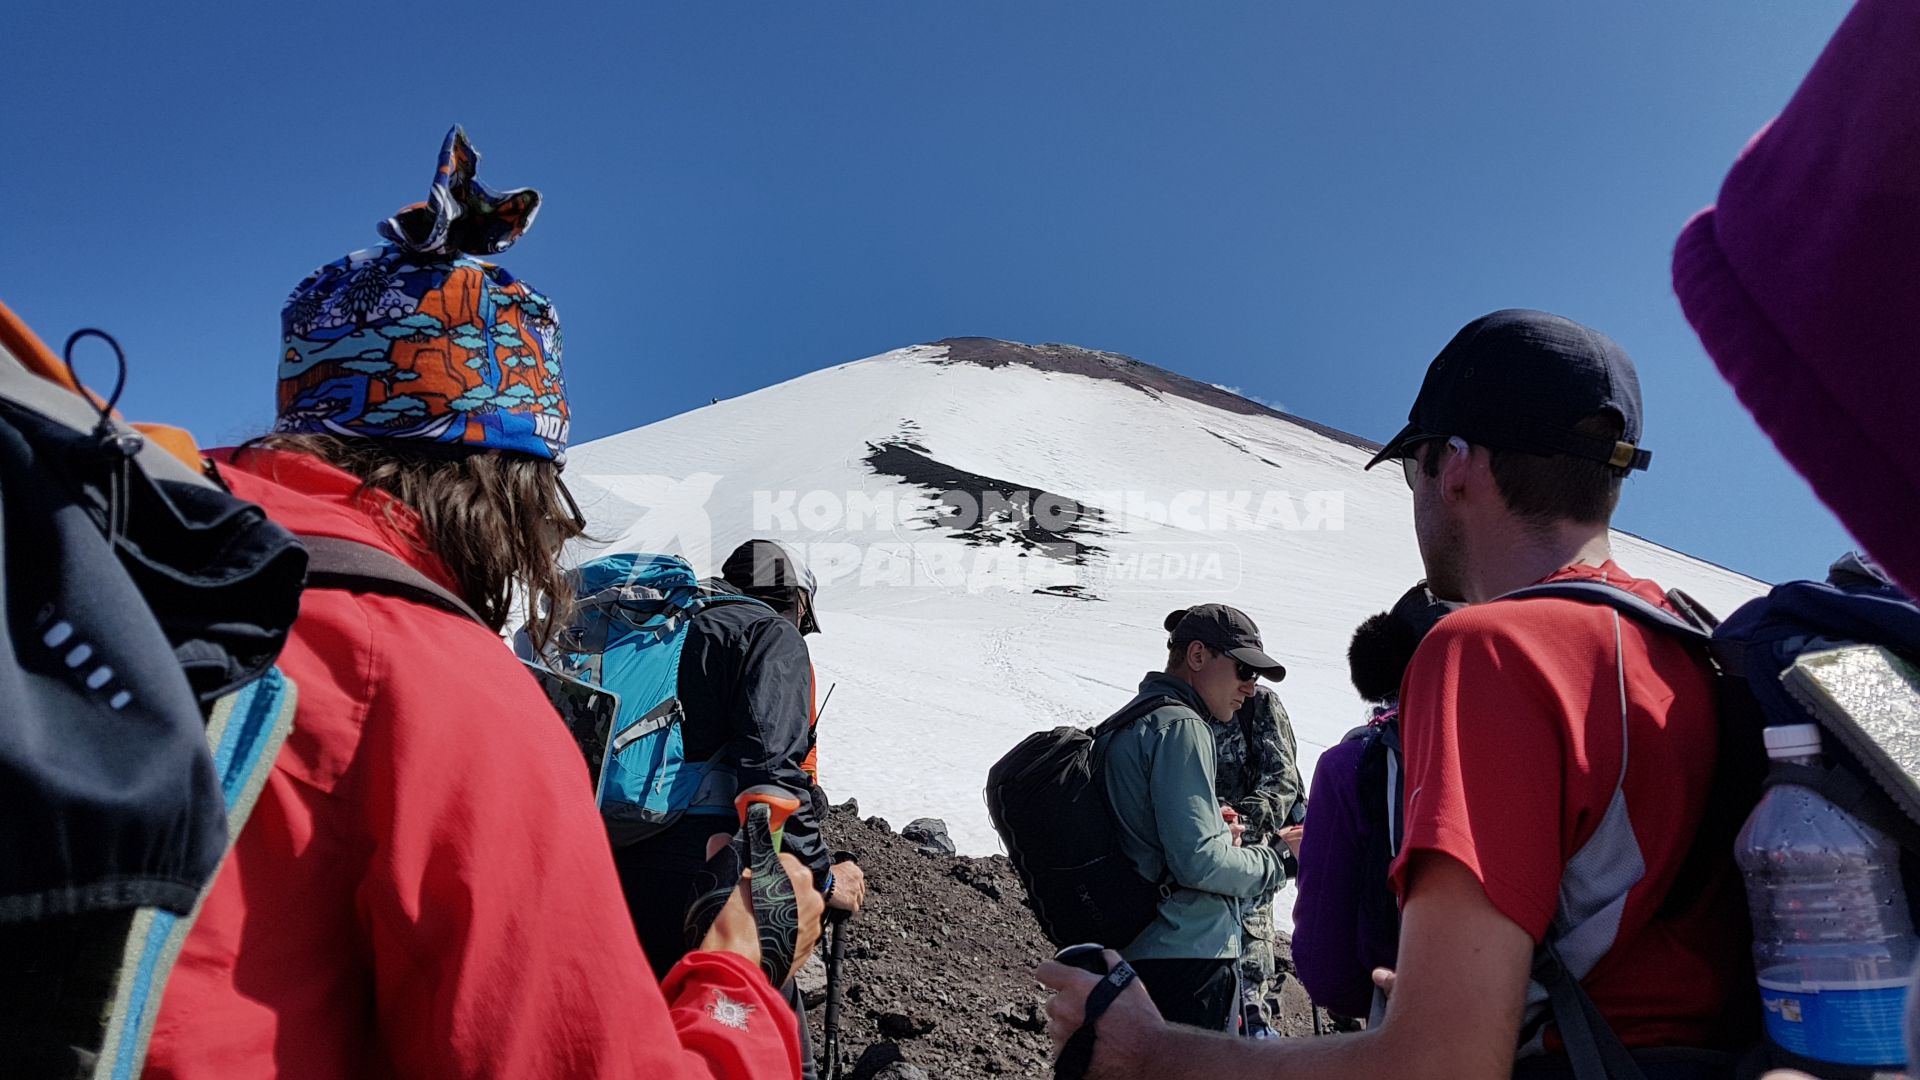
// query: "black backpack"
[[1379, 784], [1047, 799], [142, 608], [141, 611]]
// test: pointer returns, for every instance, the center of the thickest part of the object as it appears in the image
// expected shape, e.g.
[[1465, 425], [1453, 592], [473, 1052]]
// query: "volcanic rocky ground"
[[937, 980]]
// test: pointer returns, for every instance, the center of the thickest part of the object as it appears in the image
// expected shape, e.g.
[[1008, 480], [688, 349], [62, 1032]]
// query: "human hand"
[[849, 887], [813, 909], [1232, 817], [1127, 1031], [736, 931], [1383, 978], [1290, 836]]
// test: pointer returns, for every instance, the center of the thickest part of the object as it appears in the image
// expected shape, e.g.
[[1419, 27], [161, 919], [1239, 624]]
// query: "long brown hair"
[[495, 520]]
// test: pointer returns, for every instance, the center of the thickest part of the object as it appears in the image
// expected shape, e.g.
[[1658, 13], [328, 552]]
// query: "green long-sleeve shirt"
[[1160, 772]]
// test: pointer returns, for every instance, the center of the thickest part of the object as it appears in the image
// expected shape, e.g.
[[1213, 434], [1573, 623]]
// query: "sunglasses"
[[573, 508], [1247, 672], [1410, 459]]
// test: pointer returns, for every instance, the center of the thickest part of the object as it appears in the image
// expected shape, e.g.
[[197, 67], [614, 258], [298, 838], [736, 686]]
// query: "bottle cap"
[[1792, 740]]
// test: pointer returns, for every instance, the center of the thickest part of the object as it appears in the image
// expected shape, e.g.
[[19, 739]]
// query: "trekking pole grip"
[[780, 804]]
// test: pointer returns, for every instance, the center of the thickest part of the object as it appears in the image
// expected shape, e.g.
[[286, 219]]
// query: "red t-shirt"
[[1510, 722]]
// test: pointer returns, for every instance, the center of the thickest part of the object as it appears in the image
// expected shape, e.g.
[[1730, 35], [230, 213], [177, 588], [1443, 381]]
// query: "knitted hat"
[[417, 339]]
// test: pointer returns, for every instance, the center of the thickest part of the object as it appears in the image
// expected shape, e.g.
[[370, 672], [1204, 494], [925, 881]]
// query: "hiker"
[[769, 571], [1160, 783], [1803, 282], [1255, 773], [424, 888], [745, 684], [1518, 718], [1345, 919]]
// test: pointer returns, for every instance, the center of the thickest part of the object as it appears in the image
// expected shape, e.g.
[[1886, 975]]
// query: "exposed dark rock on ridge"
[[1142, 376]]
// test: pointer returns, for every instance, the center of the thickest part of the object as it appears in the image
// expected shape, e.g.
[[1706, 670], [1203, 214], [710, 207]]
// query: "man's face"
[[1224, 683], [796, 612], [1435, 526]]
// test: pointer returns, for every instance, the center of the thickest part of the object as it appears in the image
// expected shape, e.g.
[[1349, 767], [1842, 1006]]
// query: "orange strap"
[[41, 361]]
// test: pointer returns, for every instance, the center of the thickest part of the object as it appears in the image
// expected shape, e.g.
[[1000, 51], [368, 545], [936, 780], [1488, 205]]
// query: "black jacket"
[[746, 683]]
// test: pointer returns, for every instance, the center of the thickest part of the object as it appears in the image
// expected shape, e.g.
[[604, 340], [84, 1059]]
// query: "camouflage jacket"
[[1261, 780]]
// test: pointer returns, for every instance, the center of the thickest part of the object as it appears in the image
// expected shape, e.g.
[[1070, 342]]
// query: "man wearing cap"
[[1160, 780], [746, 687], [770, 572], [1558, 762], [1257, 774]]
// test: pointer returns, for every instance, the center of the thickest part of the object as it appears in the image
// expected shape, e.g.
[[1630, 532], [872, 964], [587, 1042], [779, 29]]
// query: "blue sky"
[[1300, 200]]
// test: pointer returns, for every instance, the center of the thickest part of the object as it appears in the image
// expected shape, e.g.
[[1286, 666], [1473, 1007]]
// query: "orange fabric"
[[811, 763], [41, 361], [32, 352]]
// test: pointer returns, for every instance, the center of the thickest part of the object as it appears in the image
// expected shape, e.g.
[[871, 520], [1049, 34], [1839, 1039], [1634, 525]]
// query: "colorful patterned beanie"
[[417, 339]]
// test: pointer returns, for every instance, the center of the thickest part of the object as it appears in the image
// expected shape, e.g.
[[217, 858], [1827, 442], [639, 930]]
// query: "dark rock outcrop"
[[938, 977]]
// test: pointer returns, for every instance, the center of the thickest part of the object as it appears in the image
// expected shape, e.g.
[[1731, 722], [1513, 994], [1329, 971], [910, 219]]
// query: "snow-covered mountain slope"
[[949, 635]]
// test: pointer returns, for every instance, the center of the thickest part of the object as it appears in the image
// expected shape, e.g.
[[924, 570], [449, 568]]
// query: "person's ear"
[[1456, 467], [1196, 656]]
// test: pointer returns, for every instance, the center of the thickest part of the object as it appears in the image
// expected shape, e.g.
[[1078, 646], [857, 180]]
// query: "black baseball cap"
[[1227, 629], [768, 570], [1521, 380], [1419, 610]]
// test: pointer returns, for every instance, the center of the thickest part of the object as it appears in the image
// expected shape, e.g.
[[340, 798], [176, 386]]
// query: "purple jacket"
[[1345, 919], [1804, 282]]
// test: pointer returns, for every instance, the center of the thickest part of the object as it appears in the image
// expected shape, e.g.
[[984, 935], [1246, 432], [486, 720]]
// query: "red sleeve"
[[718, 1000], [502, 945], [1482, 753]]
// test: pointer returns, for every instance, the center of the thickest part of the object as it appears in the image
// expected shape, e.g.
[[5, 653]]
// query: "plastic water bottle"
[[1833, 943]]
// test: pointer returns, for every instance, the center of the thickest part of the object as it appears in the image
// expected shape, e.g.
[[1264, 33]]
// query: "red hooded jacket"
[[425, 887]]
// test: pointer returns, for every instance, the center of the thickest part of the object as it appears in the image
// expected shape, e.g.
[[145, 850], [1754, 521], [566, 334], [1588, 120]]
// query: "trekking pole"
[[836, 952], [821, 711], [764, 810]]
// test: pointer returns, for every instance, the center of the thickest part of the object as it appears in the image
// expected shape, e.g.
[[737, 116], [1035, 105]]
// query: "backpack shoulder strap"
[[1593, 1049], [1139, 708], [1626, 603], [1394, 775], [351, 566], [1120, 721]]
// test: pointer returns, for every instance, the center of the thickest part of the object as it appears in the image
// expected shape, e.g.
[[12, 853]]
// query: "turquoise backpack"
[[626, 638]]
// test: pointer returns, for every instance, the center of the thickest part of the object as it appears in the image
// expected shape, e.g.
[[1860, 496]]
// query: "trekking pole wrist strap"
[[1077, 1055]]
